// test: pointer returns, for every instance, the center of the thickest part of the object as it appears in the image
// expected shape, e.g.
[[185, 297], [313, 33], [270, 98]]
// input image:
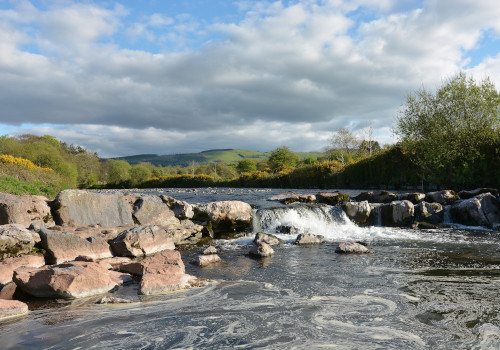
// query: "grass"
[[8, 184]]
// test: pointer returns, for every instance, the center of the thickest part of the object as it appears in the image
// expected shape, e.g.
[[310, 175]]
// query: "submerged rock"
[[15, 240], [83, 208], [205, 260], [443, 197], [377, 197], [359, 212], [24, 210], [309, 238], [351, 248], [261, 250], [69, 281], [287, 230], [262, 237], [141, 241], [481, 210], [113, 300], [12, 308]]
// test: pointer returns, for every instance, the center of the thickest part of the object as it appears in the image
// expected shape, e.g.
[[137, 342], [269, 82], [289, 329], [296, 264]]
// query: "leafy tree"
[[447, 132], [309, 160], [118, 171], [283, 156], [139, 173], [369, 147], [246, 166], [343, 143]]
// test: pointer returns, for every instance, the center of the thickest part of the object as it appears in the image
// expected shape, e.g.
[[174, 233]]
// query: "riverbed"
[[434, 289]]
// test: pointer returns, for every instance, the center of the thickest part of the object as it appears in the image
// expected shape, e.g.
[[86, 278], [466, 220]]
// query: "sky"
[[162, 77]]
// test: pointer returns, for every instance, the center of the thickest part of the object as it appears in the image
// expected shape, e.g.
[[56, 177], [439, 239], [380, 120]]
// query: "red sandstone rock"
[[7, 266], [11, 308], [24, 210], [141, 241], [15, 240]]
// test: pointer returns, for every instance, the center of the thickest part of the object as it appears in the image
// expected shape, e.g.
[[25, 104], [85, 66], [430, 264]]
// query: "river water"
[[436, 289]]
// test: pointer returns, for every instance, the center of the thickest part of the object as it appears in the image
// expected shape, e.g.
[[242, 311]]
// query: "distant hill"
[[205, 157]]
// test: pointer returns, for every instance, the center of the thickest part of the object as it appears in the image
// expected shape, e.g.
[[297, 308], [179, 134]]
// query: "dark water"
[[438, 289]]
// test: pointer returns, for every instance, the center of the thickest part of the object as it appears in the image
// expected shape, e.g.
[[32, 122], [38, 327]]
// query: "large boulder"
[[7, 266], [141, 241], [182, 210], [65, 246], [309, 238], [15, 239], [481, 210], [414, 197], [151, 210], [262, 237], [83, 208], [12, 308], [359, 212], [443, 197], [261, 250], [163, 273], [429, 212], [225, 216], [185, 233], [24, 210], [351, 248], [332, 198], [377, 196], [73, 280], [477, 191], [397, 213]]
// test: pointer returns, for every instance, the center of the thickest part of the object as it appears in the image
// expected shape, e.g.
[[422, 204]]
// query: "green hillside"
[[210, 156]]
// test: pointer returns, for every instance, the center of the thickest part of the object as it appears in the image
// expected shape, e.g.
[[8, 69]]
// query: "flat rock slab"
[[68, 281], [142, 241], [82, 208], [377, 196], [288, 198], [12, 308], [7, 266], [15, 239], [351, 248], [24, 210], [65, 246], [309, 238], [332, 198]]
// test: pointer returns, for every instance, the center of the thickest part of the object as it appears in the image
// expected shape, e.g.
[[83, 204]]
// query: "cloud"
[[284, 74]]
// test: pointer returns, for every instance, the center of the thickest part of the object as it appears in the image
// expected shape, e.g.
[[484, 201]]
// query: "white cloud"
[[282, 75]]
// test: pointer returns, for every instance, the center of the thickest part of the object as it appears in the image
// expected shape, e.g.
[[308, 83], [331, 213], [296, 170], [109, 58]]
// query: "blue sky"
[[130, 77]]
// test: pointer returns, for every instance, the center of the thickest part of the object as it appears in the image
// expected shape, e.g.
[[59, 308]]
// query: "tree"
[[246, 166], [367, 147], [283, 156], [343, 143], [139, 173], [447, 132], [118, 171]]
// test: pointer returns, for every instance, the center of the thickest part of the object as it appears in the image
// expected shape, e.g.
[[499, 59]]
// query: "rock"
[[69, 281], [151, 210], [351, 248], [182, 210], [64, 246], [377, 197], [359, 212], [287, 230], [185, 233], [429, 212], [166, 262], [332, 198], [415, 197], [82, 208], [262, 237], [12, 308], [164, 272], [116, 262], [24, 210], [444, 197], [211, 250], [481, 210], [141, 241], [113, 300], [261, 250], [7, 266], [225, 216], [309, 238], [422, 225], [205, 260], [7, 291], [397, 213], [288, 198], [15, 240], [477, 191]]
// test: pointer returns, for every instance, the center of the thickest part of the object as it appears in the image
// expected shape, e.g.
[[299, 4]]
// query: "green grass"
[[11, 185]]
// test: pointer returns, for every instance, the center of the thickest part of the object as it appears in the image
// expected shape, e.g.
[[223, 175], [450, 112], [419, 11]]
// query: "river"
[[434, 289]]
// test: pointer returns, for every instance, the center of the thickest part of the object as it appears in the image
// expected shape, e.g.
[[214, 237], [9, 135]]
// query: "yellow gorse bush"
[[21, 162]]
